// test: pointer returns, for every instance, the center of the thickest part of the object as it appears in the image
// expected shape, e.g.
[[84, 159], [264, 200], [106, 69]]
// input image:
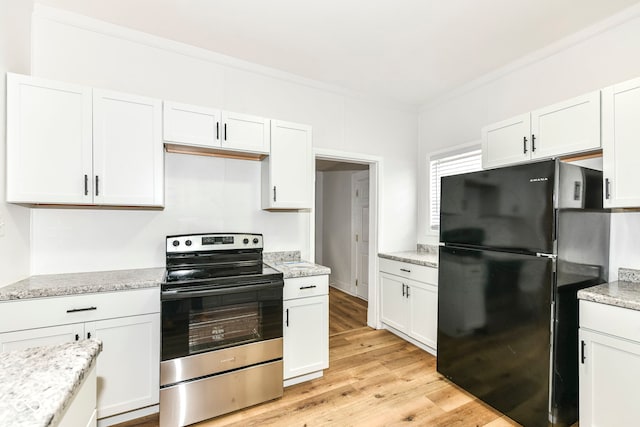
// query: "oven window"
[[197, 324], [213, 328]]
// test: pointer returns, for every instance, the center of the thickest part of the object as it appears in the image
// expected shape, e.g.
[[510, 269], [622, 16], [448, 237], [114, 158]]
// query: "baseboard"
[[128, 416], [413, 341], [303, 378]]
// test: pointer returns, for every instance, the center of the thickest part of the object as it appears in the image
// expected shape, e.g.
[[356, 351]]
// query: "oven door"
[[200, 320]]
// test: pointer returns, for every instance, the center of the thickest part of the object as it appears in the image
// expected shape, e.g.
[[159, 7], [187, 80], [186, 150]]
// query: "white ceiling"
[[412, 51]]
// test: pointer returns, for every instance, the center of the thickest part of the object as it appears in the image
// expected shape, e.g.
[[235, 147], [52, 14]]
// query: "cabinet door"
[[506, 142], [129, 364], [567, 127], [48, 141], [609, 378], [620, 148], [290, 167], [394, 303], [191, 125], [306, 335], [20, 340], [128, 153], [423, 302], [243, 132]]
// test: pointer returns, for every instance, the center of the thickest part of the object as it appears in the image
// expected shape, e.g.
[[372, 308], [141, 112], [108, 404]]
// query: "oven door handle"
[[178, 294]]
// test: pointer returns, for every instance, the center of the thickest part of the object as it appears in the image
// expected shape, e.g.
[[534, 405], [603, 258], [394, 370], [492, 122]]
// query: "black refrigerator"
[[516, 244]]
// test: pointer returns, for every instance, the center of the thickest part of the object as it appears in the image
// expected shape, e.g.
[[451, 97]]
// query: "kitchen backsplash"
[[428, 249], [285, 256], [629, 275]]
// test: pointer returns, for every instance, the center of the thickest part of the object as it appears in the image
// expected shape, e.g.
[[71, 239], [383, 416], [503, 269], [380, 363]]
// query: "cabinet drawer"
[[300, 287], [43, 312], [609, 319], [420, 273]]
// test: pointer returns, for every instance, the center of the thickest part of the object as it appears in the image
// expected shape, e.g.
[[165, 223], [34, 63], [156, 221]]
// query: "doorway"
[[342, 238]]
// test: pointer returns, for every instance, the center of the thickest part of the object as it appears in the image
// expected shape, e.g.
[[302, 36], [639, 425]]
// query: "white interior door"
[[360, 225]]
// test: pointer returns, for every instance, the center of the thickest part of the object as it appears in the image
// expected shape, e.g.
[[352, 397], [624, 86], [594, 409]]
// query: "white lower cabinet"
[[609, 365], [410, 306], [20, 340], [423, 302], [132, 383], [81, 411], [127, 323], [306, 329], [394, 302]]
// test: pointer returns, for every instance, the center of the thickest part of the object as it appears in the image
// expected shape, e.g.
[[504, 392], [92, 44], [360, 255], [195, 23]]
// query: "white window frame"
[[470, 154]]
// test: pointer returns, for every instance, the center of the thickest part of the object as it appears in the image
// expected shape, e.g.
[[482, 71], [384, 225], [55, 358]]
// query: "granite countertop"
[[38, 384], [82, 283], [623, 293], [426, 255], [291, 266]]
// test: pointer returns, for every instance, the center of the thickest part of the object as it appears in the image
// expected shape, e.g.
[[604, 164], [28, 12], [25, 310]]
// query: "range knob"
[[255, 240], [245, 240], [176, 243], [188, 243]]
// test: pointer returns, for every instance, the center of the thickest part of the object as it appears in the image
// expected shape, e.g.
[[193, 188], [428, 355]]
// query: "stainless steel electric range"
[[221, 327]]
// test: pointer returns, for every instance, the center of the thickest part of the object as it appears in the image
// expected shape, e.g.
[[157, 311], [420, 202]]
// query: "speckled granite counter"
[[623, 293], [291, 266], [427, 257], [38, 384], [82, 283]]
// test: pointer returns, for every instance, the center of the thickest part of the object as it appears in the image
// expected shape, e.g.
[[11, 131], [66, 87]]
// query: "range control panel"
[[213, 242]]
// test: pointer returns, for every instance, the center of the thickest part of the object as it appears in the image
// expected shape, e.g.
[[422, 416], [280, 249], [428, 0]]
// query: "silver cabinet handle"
[[287, 321], [97, 181], [274, 193], [408, 291], [403, 285], [405, 270], [607, 189], [308, 287], [524, 144]]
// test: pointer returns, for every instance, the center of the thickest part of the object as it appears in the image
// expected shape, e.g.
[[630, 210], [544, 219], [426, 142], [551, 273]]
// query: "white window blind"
[[445, 165]]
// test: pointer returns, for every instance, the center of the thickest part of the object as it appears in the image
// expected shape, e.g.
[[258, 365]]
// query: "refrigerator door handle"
[[543, 255]]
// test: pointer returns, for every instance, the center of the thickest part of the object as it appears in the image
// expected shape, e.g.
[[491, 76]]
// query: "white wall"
[[85, 51], [602, 59], [14, 220], [336, 232]]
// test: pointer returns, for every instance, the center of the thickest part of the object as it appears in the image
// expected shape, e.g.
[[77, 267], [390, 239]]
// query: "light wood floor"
[[374, 379]]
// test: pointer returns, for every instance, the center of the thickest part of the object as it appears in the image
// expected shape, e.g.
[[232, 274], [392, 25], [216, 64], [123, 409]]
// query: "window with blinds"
[[454, 163]]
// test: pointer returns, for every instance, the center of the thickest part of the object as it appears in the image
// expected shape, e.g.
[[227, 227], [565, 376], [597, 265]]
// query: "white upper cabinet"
[[244, 132], [191, 125], [73, 145], [287, 174], [621, 144], [567, 127], [216, 130], [128, 160], [48, 141], [506, 142]]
